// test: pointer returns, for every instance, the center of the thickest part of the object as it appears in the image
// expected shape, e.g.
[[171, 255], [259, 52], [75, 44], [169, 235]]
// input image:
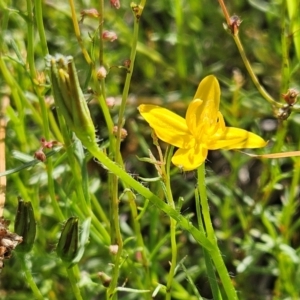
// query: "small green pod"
[[25, 225], [67, 247], [69, 98]]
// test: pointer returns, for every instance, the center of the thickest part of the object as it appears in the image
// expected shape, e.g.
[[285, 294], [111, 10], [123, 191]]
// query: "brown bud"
[[105, 279], [291, 96], [123, 132], [127, 63], [40, 155], [235, 23], [284, 112]]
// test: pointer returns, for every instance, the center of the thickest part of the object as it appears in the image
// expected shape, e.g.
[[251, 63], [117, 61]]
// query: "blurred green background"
[[254, 203]]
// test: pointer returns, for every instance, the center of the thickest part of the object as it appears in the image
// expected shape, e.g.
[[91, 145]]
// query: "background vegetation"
[[254, 202]]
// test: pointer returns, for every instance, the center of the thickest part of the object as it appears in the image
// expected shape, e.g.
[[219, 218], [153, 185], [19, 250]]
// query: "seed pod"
[[25, 225], [68, 244], [69, 98]]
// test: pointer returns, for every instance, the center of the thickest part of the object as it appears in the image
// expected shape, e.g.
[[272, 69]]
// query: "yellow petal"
[[209, 89], [193, 115], [203, 111], [236, 138], [168, 126], [189, 159]]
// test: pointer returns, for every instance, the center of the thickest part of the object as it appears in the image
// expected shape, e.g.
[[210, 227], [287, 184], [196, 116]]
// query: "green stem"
[[215, 253], [29, 279], [285, 68], [180, 55], [204, 204], [30, 39], [46, 130], [173, 223], [73, 280], [100, 28], [223, 273], [201, 189], [126, 88], [40, 26], [139, 239], [247, 64], [116, 236], [77, 33]]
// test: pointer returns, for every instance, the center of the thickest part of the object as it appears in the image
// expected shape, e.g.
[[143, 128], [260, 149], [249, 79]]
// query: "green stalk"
[[6, 75], [285, 67], [126, 87], [180, 55], [40, 26], [100, 28], [116, 236], [75, 169], [73, 280], [215, 252], [201, 190], [173, 223], [116, 232], [77, 33], [30, 39], [139, 239], [247, 64], [29, 279]]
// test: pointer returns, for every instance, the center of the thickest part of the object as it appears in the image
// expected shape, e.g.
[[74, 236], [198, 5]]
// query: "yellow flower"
[[202, 129]]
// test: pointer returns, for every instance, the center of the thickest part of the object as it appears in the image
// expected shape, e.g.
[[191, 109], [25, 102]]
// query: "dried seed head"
[[284, 112], [8, 241]]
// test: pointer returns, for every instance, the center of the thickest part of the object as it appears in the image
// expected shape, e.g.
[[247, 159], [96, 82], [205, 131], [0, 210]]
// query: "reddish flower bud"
[[109, 35], [110, 102], [46, 144], [90, 13], [115, 3], [40, 155]]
